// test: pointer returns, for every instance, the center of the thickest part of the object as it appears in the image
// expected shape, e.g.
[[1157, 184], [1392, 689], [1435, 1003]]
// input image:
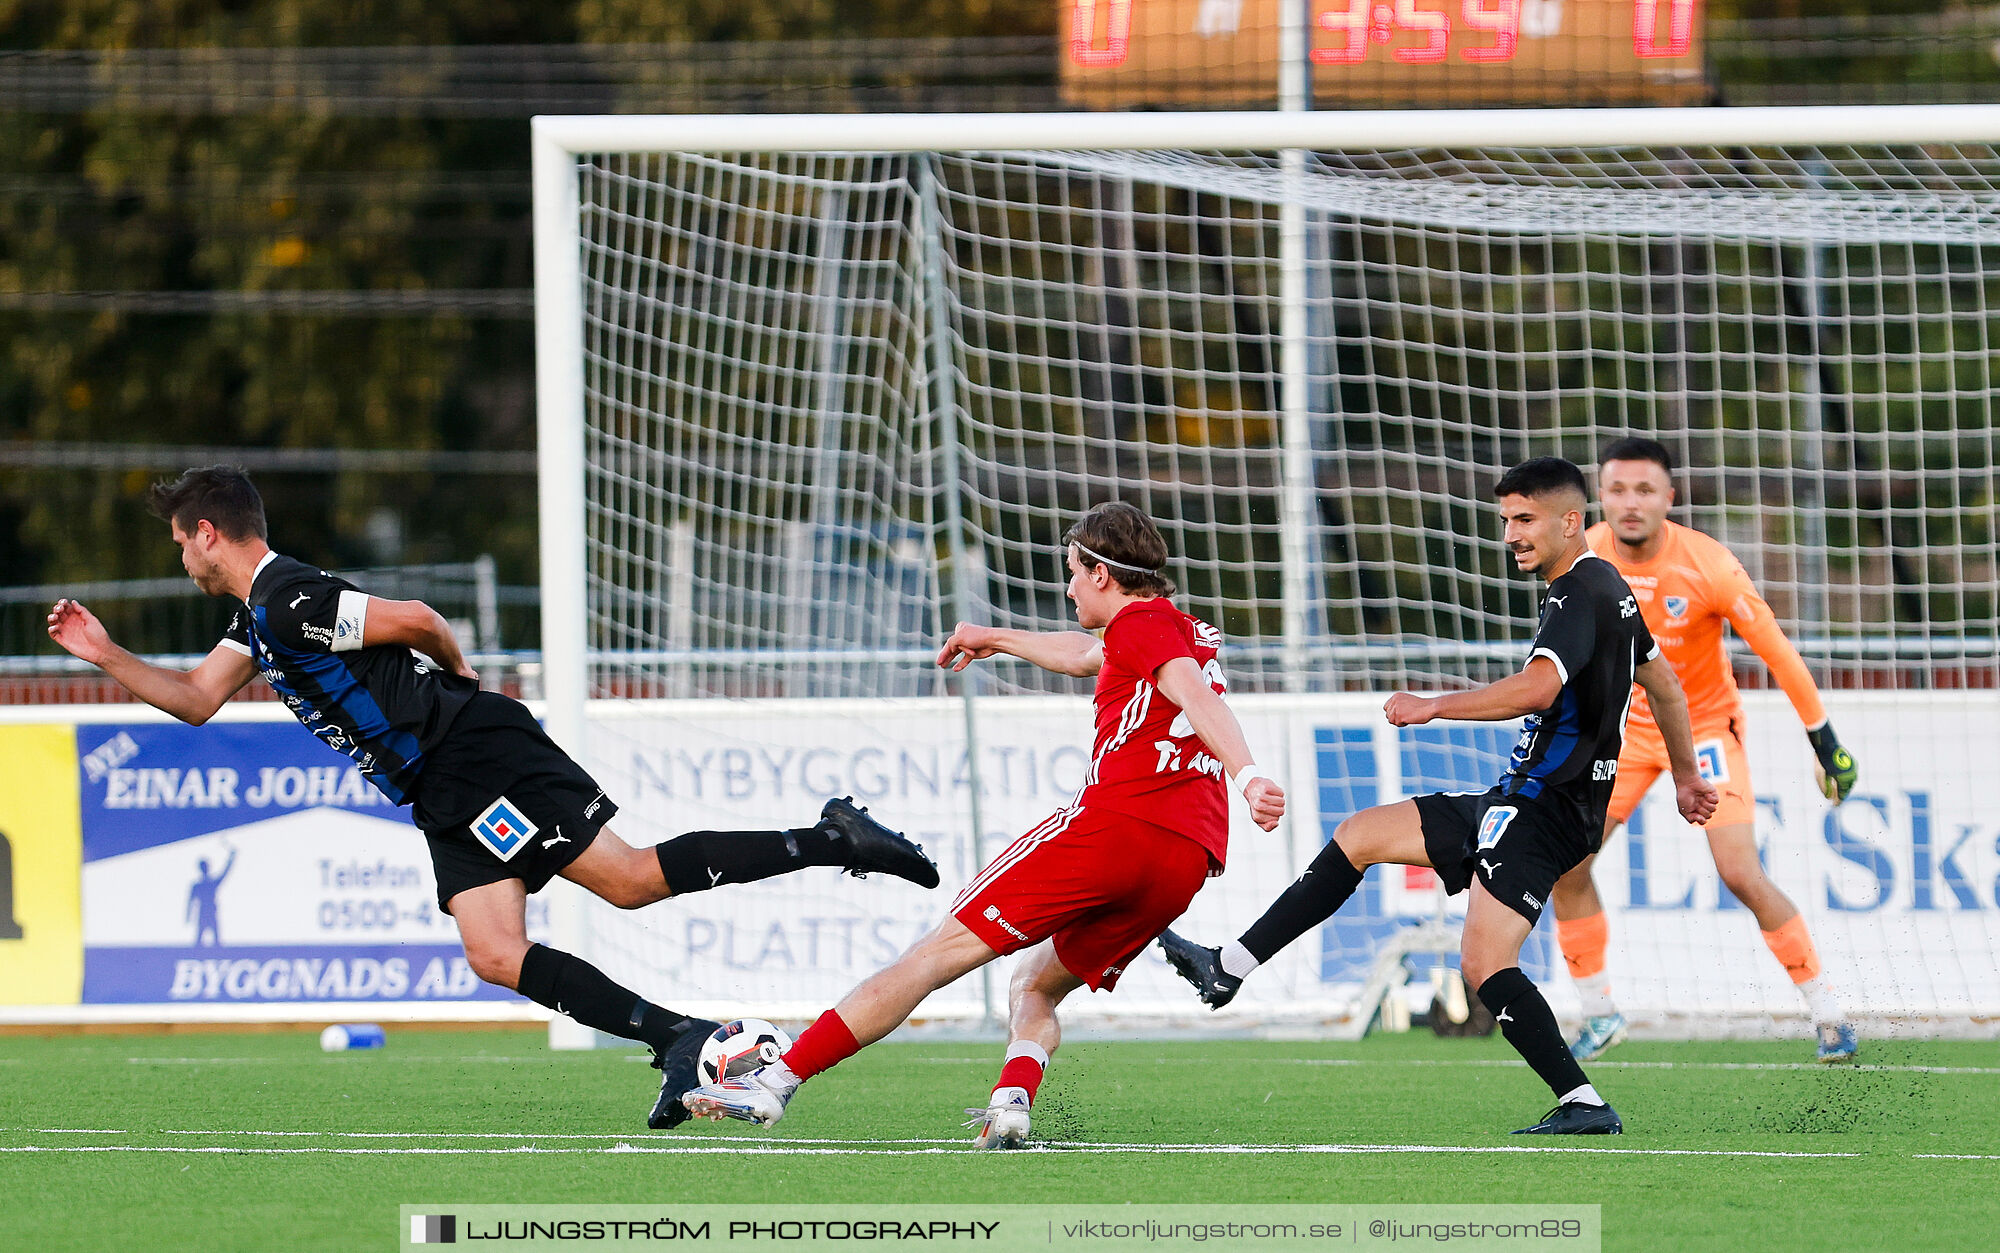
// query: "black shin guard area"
[[1311, 900], [569, 985], [701, 860], [1530, 1026]]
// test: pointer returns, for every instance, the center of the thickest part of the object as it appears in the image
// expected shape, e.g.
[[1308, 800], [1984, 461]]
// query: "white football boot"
[[755, 1098], [1003, 1124]]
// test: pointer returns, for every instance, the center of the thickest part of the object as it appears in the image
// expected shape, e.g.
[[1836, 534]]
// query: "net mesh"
[[802, 369]]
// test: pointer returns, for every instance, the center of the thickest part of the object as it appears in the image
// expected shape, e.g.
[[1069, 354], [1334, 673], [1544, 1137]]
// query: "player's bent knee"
[[636, 882], [1354, 841], [635, 893], [496, 963]]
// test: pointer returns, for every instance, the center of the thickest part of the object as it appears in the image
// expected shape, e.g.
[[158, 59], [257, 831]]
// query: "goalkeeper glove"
[[1835, 770]]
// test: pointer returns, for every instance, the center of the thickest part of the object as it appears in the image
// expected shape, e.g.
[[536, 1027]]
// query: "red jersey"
[[1148, 763]]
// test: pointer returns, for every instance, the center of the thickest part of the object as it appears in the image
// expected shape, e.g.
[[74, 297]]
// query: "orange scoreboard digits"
[[1224, 53]]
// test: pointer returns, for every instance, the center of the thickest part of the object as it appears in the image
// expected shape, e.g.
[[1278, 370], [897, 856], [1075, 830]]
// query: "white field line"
[[863, 1149], [1515, 1063], [357, 1058], [385, 1059]]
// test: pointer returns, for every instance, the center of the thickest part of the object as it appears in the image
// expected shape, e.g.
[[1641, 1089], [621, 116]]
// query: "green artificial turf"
[[212, 1099]]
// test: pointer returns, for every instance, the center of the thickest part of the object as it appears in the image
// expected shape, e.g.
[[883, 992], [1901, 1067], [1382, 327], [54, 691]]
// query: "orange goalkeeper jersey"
[[1685, 594]]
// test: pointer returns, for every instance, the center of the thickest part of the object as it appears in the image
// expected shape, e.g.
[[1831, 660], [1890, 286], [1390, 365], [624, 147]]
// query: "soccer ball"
[[739, 1047]]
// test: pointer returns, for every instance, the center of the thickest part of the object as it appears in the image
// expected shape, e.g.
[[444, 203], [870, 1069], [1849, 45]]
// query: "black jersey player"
[[503, 809], [1511, 843]]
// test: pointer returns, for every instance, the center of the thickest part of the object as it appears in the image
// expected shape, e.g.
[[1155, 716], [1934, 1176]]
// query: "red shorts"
[[1101, 883]]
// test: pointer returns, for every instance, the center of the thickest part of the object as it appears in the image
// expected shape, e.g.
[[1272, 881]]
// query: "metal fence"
[[173, 623]]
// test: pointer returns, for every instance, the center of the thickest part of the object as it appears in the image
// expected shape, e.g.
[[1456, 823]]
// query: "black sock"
[[1530, 1026], [701, 860], [1311, 900], [571, 985]]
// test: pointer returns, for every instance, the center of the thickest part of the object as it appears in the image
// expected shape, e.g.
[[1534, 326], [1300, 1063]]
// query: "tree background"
[[299, 271]]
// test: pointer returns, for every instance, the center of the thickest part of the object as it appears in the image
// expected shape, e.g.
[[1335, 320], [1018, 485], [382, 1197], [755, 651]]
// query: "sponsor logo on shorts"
[[1532, 902], [1711, 761], [993, 915], [1112, 972], [590, 810], [323, 636], [1493, 825], [504, 829]]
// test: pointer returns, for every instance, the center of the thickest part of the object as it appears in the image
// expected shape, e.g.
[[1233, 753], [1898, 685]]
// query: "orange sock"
[[1793, 948], [1583, 943]]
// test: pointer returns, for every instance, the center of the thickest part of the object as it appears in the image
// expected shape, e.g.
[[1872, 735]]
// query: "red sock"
[[822, 1046], [1025, 1063]]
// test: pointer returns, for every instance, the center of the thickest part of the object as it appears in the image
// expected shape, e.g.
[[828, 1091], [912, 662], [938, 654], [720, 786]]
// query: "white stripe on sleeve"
[[1550, 653]]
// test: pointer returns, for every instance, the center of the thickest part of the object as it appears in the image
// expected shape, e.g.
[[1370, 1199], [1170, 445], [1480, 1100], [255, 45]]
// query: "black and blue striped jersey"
[[382, 706], [1568, 753]]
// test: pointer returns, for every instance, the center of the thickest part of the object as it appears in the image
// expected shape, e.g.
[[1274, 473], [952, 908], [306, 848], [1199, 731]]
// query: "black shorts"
[[498, 800], [1518, 847]]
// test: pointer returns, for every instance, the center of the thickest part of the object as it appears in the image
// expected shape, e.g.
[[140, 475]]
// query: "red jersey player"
[[1087, 889]]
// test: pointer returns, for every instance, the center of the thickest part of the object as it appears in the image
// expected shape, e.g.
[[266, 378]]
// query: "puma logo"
[[714, 878], [1502, 1016], [1557, 601], [1490, 867], [301, 599], [557, 838]]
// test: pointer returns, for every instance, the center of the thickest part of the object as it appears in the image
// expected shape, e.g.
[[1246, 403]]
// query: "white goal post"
[[811, 388]]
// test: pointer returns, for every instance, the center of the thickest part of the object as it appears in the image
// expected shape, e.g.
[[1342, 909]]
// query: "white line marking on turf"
[[1515, 1063], [864, 1148], [372, 1061], [1959, 1157], [1841, 1068], [1821, 1067]]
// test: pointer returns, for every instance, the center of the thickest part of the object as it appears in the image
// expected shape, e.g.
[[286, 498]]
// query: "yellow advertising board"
[[41, 867]]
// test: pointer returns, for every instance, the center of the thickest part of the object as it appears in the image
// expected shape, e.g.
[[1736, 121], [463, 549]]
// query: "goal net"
[[815, 388]]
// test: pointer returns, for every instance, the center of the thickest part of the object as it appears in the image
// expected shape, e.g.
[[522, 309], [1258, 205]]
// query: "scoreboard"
[[1386, 53]]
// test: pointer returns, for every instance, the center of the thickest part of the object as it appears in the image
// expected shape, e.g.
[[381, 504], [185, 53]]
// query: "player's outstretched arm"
[[414, 625], [1759, 628], [1695, 796], [1075, 653], [193, 696], [1182, 682], [1532, 690]]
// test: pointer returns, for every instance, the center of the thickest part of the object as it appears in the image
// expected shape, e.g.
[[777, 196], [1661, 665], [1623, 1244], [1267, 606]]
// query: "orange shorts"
[[1717, 750]]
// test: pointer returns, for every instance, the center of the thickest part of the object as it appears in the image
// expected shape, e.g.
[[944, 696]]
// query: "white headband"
[[1103, 560]]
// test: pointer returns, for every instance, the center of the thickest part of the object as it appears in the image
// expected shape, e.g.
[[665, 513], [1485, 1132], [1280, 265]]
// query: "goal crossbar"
[[1361, 129]]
